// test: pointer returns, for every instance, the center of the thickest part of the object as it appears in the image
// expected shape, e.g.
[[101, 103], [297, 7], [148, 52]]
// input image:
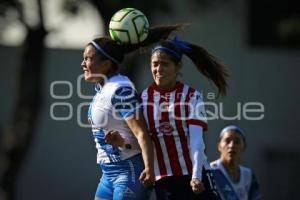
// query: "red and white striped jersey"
[[168, 114]]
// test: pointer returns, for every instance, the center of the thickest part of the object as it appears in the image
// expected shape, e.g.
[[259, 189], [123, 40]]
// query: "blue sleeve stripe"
[[128, 113], [125, 101]]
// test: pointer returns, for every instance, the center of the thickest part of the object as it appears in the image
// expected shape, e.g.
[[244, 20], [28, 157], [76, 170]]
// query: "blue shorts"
[[120, 181]]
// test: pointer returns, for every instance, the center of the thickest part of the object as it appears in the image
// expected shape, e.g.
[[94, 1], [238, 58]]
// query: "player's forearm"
[[147, 150], [138, 127], [197, 150]]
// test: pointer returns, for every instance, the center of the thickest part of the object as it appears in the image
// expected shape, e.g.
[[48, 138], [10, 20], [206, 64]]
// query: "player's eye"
[[154, 64], [237, 141]]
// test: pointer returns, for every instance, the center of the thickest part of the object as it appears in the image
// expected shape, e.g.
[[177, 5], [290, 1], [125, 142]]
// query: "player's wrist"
[[197, 175], [196, 179], [148, 167]]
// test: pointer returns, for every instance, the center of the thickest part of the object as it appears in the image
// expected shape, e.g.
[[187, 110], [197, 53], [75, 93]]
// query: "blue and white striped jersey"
[[116, 100]]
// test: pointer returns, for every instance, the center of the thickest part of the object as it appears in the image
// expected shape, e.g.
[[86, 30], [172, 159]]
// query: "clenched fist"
[[197, 186]]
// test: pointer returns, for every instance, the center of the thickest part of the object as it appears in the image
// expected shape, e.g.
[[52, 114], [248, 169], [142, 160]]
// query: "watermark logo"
[[207, 110], [62, 101]]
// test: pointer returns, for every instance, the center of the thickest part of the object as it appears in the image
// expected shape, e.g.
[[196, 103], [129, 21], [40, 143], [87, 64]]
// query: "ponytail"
[[209, 66], [205, 62]]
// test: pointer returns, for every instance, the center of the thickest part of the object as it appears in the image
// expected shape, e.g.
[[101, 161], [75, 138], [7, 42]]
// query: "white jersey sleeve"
[[197, 147], [197, 114]]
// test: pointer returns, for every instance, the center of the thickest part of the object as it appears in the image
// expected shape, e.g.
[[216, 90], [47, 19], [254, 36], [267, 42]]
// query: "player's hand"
[[147, 177], [114, 138], [197, 186]]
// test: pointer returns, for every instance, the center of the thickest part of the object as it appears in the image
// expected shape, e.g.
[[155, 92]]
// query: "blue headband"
[[165, 49], [181, 45], [98, 47], [233, 128]]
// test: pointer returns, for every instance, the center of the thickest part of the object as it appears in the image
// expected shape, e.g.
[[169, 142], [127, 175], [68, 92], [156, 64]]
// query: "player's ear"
[[107, 64], [178, 67], [218, 147], [243, 146]]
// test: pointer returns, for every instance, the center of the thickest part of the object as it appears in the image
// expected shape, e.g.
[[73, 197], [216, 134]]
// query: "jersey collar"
[[177, 85]]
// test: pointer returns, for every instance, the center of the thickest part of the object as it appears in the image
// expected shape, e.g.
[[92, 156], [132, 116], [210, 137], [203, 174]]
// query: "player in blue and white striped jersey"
[[125, 171], [127, 167], [115, 101], [234, 181]]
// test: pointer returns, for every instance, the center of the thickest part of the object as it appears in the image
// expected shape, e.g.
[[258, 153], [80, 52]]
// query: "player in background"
[[234, 181], [126, 171]]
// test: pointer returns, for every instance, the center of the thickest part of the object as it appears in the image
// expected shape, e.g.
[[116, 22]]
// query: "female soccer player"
[[233, 180], [175, 116], [125, 170]]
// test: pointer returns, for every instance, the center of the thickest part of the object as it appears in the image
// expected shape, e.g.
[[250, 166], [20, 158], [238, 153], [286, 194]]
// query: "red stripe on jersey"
[[169, 140], [187, 101], [159, 153], [198, 122], [179, 126]]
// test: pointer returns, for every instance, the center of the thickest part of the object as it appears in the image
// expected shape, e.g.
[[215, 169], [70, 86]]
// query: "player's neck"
[[232, 168]]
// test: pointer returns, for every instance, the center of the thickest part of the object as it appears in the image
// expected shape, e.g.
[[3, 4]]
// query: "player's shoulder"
[[145, 91], [244, 168], [123, 90], [193, 92], [246, 171], [246, 174], [188, 87], [117, 82]]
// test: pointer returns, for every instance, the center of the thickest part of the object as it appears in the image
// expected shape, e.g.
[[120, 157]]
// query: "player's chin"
[[159, 82], [232, 155], [89, 78]]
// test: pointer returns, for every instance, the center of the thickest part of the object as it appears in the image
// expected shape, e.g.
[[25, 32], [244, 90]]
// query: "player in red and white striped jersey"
[[169, 114], [176, 119]]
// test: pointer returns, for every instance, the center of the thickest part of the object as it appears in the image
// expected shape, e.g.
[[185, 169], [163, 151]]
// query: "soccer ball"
[[128, 26]]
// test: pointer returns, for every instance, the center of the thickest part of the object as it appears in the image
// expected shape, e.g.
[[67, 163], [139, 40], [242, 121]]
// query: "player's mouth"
[[231, 152]]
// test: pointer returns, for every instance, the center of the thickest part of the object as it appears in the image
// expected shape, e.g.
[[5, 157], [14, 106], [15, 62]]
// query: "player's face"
[[231, 146], [94, 67], [164, 70]]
